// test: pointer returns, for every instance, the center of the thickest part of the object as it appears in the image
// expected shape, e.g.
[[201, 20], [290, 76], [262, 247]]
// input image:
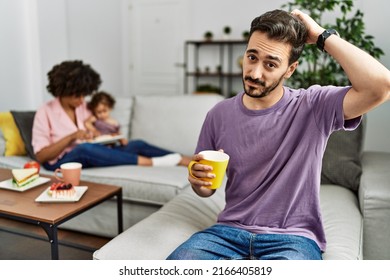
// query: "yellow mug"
[[218, 160]]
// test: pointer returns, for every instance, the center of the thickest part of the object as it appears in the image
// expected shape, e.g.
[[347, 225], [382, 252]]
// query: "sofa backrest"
[[171, 122], [341, 164], [122, 112]]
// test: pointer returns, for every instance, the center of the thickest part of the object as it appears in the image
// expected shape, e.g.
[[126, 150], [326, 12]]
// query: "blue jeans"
[[96, 155], [221, 242]]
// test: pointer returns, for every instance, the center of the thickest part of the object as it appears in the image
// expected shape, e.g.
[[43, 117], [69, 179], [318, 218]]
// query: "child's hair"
[[101, 97]]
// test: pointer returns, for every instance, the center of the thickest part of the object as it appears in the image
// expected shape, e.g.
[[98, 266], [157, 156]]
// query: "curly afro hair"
[[72, 78]]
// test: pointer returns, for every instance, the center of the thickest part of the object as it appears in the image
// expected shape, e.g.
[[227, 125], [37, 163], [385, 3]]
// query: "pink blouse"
[[51, 124]]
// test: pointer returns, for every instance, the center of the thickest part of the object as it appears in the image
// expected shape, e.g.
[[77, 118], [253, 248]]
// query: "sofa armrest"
[[374, 199]]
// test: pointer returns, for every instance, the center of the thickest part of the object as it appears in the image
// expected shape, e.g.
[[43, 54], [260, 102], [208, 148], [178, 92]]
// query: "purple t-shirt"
[[275, 159]]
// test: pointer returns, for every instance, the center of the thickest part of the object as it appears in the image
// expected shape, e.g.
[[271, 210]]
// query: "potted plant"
[[208, 88], [208, 36], [226, 32], [245, 35], [320, 68]]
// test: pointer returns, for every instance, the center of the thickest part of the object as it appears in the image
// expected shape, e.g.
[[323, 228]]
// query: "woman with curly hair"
[[59, 132]]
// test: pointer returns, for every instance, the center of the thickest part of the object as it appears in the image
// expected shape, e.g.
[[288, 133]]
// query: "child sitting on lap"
[[101, 122]]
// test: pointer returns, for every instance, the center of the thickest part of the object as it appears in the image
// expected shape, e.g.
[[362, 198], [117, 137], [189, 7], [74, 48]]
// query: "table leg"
[[52, 233], [120, 211]]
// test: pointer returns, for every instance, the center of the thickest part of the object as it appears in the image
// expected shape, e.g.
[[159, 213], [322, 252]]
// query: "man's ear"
[[291, 69]]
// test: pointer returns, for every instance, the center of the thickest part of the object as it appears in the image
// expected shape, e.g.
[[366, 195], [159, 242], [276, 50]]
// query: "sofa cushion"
[[176, 114], [374, 198], [343, 223], [24, 121], [14, 145], [341, 164], [152, 185]]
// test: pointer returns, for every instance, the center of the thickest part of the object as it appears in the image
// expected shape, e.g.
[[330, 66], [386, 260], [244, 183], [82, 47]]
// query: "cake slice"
[[62, 190], [23, 177]]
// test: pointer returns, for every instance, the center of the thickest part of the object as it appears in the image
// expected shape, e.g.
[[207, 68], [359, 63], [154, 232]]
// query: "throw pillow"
[[341, 164], [14, 145], [24, 121]]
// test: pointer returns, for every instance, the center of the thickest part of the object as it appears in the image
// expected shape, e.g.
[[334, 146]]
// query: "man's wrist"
[[323, 36]]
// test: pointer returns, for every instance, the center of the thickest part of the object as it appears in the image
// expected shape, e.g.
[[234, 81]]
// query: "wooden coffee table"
[[21, 206]]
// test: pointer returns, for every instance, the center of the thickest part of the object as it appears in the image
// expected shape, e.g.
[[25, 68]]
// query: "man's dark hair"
[[284, 27], [72, 78], [101, 97]]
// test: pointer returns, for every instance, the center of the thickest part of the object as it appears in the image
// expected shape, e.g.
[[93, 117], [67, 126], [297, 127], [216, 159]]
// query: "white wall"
[[53, 38], [89, 30], [36, 34], [378, 121], [19, 55], [95, 36]]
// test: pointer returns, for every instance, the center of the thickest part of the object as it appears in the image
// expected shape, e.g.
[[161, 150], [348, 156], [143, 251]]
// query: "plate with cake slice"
[[23, 179], [62, 192]]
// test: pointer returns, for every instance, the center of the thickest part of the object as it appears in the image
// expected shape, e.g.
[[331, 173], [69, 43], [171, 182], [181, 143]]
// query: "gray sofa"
[[161, 210]]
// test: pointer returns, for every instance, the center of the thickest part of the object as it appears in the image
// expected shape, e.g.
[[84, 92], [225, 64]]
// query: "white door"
[[157, 32]]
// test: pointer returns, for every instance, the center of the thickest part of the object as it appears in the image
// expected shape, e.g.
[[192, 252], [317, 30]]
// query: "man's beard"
[[266, 90]]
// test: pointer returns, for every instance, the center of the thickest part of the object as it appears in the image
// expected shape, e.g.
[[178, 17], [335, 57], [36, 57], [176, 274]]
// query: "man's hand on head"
[[313, 28]]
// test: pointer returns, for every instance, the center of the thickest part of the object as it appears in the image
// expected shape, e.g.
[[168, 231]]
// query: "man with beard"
[[276, 137]]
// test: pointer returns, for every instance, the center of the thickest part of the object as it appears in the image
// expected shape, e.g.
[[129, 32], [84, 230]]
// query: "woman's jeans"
[[96, 155], [221, 242]]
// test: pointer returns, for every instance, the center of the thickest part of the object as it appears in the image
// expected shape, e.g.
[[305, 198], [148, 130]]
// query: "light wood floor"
[[14, 245]]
